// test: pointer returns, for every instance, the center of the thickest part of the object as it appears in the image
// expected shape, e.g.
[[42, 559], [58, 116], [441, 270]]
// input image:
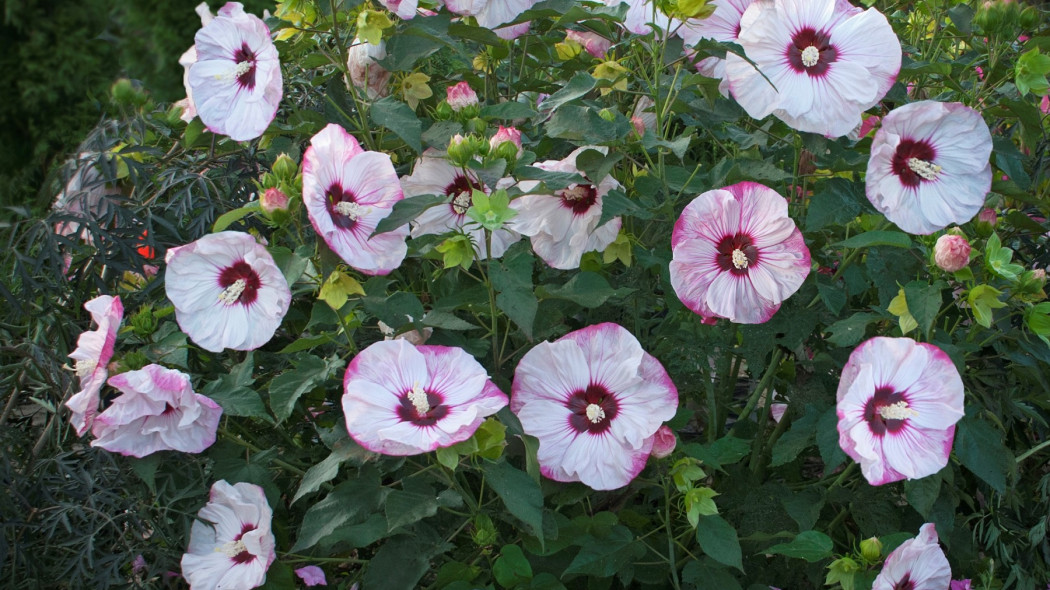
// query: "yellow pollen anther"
[[351, 209], [418, 397], [739, 259], [897, 411], [927, 170], [231, 294], [810, 56], [595, 413], [232, 548], [84, 367], [461, 202]]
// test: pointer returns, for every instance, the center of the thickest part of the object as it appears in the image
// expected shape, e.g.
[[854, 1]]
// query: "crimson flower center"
[[887, 411], [905, 583], [578, 197], [343, 207], [245, 71], [592, 410], [460, 189], [236, 550], [811, 51], [736, 253], [913, 162], [421, 407], [240, 284]]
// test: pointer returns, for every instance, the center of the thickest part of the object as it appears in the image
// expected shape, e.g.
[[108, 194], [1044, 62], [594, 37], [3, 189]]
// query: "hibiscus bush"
[[547, 294]]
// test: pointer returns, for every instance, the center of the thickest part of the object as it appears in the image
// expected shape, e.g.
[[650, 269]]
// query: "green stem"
[[1033, 450], [767, 378], [670, 536]]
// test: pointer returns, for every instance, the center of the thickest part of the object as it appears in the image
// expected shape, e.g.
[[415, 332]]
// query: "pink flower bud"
[[987, 216], [594, 43], [1044, 104], [461, 96], [867, 125], [273, 200], [365, 74], [1039, 274], [663, 442], [951, 253], [980, 72], [311, 575], [505, 135], [639, 125]]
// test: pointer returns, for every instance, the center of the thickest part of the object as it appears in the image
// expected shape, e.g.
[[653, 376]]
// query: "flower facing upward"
[[564, 225], [227, 291], [595, 400], [827, 60], [434, 175], [951, 252], [737, 254], [917, 564], [401, 399], [236, 549], [347, 192], [158, 411], [929, 165], [94, 349], [235, 82], [898, 402]]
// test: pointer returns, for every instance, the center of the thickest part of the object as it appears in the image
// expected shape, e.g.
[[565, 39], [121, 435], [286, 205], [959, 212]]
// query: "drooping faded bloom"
[[898, 402], [595, 400], [235, 83], [917, 564], [227, 291], [951, 252], [722, 25], [401, 399], [929, 165], [365, 72], [826, 62], [563, 226], [236, 549], [737, 254], [94, 349], [493, 13], [434, 175], [347, 192], [158, 411]]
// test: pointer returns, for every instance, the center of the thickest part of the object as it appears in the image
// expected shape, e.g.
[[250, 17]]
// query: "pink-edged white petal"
[[595, 401], [642, 15], [722, 25], [347, 191], [158, 411], [929, 166], [235, 81], [491, 14], [401, 399], [227, 290], [737, 254], [917, 564], [405, 9], [898, 402], [234, 546], [94, 349]]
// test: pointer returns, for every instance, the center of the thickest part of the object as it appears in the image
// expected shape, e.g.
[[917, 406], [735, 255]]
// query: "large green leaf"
[[309, 372], [520, 494], [718, 539], [809, 545], [980, 448], [399, 118]]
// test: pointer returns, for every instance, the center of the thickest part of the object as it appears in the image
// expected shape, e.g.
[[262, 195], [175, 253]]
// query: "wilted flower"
[[401, 399], [595, 400], [917, 563], [737, 254], [227, 291], [722, 25], [347, 191], [898, 402], [236, 549], [311, 575], [236, 81], [951, 253], [94, 349], [826, 63], [461, 96], [593, 43], [365, 74], [929, 165], [493, 13], [158, 411], [664, 442]]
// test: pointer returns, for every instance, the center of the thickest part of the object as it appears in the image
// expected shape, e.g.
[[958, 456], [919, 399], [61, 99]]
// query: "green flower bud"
[[607, 114], [284, 167], [461, 150], [871, 549]]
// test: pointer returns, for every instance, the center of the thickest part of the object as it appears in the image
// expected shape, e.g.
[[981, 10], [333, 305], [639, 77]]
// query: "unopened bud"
[[951, 253], [443, 112], [273, 200], [506, 135], [460, 150], [476, 124], [284, 167], [871, 549], [664, 442]]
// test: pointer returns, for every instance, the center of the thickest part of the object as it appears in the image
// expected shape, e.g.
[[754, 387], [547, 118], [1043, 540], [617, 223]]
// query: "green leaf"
[[706, 574], [395, 310], [511, 568], [828, 440], [337, 288], [405, 211], [342, 506], [512, 279], [922, 493], [606, 555], [310, 371], [617, 203], [456, 251], [588, 289], [230, 217], [837, 203], [279, 577], [718, 540], [446, 321], [983, 299], [292, 264], [979, 446], [406, 507], [597, 165], [399, 118], [323, 472], [804, 507], [924, 302], [724, 451], [508, 111], [850, 331], [578, 86], [398, 565], [810, 545], [797, 438], [549, 179], [233, 393], [584, 124], [877, 238], [519, 493]]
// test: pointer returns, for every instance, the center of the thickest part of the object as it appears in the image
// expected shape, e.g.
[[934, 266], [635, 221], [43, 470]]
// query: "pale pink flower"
[[461, 96], [406, 9], [187, 59], [722, 25], [564, 225], [236, 81], [664, 442], [506, 134], [826, 62], [929, 165], [642, 15], [1044, 107], [434, 175], [644, 114], [94, 349], [917, 564], [868, 125], [493, 13], [234, 551], [365, 73], [980, 72], [311, 575], [347, 191], [401, 399], [960, 585], [951, 252], [737, 254], [898, 402], [158, 411], [592, 43], [227, 291], [595, 400]]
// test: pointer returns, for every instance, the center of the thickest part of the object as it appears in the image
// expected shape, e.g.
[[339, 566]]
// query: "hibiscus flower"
[[347, 192], [898, 402], [929, 165], [642, 15], [493, 13], [401, 399], [94, 349], [227, 291], [917, 564], [595, 400], [737, 254], [722, 25], [826, 62]]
